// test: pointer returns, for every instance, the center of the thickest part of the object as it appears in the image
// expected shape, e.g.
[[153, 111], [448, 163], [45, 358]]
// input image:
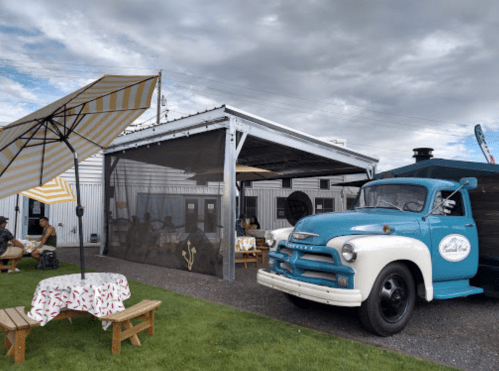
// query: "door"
[[210, 215], [454, 239], [32, 212], [191, 215]]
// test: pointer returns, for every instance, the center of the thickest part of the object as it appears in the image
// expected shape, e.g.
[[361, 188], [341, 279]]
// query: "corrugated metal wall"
[[268, 191], [65, 214]]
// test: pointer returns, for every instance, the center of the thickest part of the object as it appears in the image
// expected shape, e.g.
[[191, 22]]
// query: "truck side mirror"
[[469, 183]]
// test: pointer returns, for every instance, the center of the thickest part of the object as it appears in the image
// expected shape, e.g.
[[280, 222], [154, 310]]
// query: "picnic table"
[[99, 294]]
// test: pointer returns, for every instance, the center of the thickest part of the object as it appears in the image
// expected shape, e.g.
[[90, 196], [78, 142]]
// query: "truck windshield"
[[406, 197]]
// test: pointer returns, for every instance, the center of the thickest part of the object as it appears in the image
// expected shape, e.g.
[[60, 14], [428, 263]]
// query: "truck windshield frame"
[[404, 197]]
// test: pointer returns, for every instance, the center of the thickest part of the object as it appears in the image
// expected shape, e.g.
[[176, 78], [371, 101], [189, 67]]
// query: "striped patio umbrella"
[[55, 191], [44, 144]]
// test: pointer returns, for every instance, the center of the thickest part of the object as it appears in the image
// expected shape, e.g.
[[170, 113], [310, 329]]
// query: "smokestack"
[[422, 154]]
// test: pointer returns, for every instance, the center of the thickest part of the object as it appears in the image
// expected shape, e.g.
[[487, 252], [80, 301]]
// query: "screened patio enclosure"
[[170, 190]]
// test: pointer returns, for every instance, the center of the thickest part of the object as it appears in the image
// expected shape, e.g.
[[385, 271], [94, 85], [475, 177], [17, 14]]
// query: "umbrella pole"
[[15, 219], [79, 208]]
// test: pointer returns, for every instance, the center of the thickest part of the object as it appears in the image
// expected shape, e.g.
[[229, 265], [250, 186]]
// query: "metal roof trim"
[[295, 133]]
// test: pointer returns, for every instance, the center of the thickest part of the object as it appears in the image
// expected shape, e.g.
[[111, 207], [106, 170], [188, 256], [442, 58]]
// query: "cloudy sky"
[[387, 76]]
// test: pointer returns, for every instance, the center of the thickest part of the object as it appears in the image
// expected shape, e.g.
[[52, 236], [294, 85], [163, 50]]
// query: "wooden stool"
[[250, 256], [13, 263], [143, 310], [17, 326]]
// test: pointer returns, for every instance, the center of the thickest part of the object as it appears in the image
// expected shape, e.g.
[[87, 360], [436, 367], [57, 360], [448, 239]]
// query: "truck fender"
[[281, 234], [374, 252]]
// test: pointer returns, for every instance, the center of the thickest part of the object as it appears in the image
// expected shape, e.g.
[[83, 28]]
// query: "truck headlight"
[[270, 240], [349, 253]]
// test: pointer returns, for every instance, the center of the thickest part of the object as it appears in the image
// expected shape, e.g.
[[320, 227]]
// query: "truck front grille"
[[319, 265]]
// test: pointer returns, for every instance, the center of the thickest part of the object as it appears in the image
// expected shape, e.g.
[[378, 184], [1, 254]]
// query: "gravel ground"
[[461, 332]]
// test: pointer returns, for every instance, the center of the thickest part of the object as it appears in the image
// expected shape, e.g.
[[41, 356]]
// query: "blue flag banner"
[[483, 144]]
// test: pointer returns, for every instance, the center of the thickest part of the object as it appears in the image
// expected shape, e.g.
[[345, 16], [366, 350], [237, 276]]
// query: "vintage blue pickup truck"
[[403, 238]]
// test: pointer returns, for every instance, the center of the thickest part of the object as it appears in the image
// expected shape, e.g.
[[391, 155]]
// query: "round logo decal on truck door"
[[454, 247]]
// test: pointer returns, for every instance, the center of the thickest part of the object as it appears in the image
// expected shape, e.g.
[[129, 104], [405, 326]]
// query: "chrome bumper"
[[320, 294]]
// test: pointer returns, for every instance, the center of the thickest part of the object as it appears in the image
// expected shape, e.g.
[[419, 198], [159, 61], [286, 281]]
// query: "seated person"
[[48, 241], [241, 226], [253, 224], [5, 238], [168, 225]]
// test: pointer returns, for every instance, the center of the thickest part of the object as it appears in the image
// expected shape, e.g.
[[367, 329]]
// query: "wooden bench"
[[14, 261], [17, 326], [143, 310], [250, 256]]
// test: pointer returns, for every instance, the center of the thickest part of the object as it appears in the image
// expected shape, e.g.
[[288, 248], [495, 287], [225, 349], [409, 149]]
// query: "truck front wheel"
[[389, 306]]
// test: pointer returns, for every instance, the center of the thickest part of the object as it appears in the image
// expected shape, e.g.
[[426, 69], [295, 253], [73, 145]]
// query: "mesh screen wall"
[[163, 203]]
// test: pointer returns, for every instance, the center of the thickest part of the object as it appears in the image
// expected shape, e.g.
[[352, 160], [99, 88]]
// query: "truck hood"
[[358, 222]]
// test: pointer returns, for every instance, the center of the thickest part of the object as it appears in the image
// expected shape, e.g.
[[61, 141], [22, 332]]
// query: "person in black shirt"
[[5, 238], [254, 223], [48, 241]]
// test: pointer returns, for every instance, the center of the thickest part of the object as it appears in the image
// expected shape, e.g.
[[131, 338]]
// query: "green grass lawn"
[[190, 334]]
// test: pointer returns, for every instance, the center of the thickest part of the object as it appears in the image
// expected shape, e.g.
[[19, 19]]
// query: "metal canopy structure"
[[257, 142]]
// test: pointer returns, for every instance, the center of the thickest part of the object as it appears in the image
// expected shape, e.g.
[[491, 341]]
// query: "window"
[[250, 203], [454, 206], [248, 184], [324, 205], [324, 184], [350, 201], [408, 197], [281, 207], [286, 183]]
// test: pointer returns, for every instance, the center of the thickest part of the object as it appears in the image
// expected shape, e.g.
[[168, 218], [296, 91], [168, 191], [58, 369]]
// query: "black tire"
[[300, 302], [389, 307]]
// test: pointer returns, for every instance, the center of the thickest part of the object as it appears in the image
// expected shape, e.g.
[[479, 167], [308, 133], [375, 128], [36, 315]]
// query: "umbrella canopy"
[[244, 172], [34, 149], [55, 191], [38, 147]]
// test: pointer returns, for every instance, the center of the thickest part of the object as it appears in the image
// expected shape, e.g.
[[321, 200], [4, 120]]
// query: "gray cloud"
[[386, 76]]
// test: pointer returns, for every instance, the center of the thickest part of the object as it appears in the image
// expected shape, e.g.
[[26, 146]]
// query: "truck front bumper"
[[318, 293]]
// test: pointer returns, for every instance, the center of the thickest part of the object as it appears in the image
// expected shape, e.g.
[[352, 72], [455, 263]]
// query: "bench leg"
[[134, 338], [14, 264], [116, 337], [17, 347], [150, 320]]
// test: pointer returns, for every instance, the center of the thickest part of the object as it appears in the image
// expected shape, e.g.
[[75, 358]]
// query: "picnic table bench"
[[14, 261], [250, 256], [143, 310], [17, 326]]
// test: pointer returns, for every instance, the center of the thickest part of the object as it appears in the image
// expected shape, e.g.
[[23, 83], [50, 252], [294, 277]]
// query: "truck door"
[[454, 239]]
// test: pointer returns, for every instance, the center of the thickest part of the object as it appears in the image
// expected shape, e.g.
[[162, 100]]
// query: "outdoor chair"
[[14, 260]]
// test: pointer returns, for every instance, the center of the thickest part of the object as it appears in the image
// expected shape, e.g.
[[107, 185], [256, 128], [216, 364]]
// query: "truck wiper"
[[395, 206]]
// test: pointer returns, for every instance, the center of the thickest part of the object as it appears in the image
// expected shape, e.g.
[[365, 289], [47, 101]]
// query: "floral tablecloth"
[[29, 246], [99, 294], [245, 243]]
